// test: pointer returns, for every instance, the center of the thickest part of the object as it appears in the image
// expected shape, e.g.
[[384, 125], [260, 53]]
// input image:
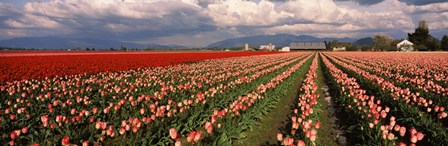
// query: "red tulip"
[[197, 136], [13, 135], [25, 130], [65, 140], [191, 136], [317, 125]]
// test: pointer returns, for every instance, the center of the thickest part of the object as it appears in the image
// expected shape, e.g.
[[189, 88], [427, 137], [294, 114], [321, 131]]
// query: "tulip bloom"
[[65, 140], [279, 136], [173, 134], [209, 127]]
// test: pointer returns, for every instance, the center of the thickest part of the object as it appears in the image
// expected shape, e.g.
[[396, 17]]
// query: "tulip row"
[[370, 119], [221, 113], [302, 117], [431, 66], [382, 89], [41, 65], [427, 88], [80, 101], [235, 109], [424, 103]]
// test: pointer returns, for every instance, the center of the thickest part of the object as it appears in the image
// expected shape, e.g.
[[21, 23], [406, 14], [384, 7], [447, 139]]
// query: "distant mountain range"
[[368, 41], [73, 43], [279, 40]]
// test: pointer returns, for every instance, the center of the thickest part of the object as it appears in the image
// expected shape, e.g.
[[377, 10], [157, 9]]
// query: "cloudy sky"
[[197, 23]]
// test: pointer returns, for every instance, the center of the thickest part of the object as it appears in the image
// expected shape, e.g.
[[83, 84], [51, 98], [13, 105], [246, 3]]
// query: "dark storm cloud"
[[422, 2], [204, 21], [364, 2], [180, 22], [409, 2]]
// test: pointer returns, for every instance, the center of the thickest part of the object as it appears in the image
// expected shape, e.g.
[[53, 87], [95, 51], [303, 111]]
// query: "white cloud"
[[199, 22], [117, 27], [245, 13], [8, 33], [16, 24], [319, 11], [325, 16], [137, 9], [29, 21], [435, 7]]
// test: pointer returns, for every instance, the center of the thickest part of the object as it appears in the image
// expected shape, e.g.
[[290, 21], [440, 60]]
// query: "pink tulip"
[[402, 131], [420, 136], [390, 136], [300, 143], [209, 127], [413, 131], [279, 136], [414, 138], [85, 143], [288, 141], [178, 143], [197, 136], [122, 131], [44, 120], [191, 136], [173, 134]]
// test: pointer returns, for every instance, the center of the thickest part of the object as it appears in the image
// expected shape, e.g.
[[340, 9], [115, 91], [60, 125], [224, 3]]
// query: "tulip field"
[[223, 98]]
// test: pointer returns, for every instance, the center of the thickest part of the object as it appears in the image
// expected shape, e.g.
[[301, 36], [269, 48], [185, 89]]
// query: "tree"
[[366, 48], [420, 47], [444, 44], [122, 48], [352, 48], [327, 46], [421, 36], [332, 44], [382, 42]]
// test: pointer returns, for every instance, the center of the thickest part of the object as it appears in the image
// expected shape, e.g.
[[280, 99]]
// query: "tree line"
[[421, 39]]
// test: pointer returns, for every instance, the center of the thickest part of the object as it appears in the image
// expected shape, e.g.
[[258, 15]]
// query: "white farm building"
[[285, 49], [405, 46]]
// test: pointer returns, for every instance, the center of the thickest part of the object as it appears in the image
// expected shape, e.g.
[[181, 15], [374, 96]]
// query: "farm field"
[[225, 98], [31, 65]]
